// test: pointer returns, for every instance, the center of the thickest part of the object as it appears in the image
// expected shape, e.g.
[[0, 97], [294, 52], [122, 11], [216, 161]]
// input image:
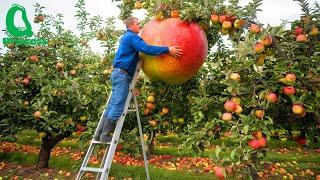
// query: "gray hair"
[[129, 21]]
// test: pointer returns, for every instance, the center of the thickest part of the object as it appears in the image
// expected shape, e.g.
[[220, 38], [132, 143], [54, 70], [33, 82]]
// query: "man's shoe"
[[108, 128], [97, 135]]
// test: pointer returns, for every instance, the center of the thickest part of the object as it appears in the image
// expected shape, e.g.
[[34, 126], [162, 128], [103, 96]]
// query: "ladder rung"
[[131, 110], [98, 142], [91, 169]]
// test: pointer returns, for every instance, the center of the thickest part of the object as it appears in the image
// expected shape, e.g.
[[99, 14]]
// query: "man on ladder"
[[124, 64], [124, 71]]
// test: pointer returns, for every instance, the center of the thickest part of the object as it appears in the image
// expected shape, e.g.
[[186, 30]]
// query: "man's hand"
[[175, 51]]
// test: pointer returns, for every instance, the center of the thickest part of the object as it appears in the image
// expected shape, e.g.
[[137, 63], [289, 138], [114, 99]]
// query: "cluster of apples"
[[150, 106], [231, 106], [301, 35], [288, 80], [228, 23], [259, 141]]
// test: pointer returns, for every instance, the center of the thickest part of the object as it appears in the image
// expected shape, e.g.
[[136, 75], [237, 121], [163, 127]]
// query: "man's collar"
[[129, 30]]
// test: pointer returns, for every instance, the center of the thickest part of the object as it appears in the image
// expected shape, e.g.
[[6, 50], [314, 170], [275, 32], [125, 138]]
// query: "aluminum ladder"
[[104, 169]]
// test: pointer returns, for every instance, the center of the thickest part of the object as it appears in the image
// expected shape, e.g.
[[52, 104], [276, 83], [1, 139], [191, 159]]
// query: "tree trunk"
[[48, 142]]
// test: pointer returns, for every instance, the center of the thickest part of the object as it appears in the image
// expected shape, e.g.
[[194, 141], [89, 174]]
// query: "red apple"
[[173, 31], [215, 18], [238, 23], [289, 90], [226, 25], [258, 47], [230, 106], [262, 142], [298, 109], [298, 30], [59, 66], [254, 29], [272, 98], [302, 38], [227, 116], [238, 109], [25, 81], [301, 140], [222, 18], [34, 58], [220, 172], [291, 77], [266, 41], [254, 144], [37, 114], [259, 113]]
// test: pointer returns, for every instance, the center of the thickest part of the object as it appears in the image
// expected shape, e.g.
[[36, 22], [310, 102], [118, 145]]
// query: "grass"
[[119, 171]]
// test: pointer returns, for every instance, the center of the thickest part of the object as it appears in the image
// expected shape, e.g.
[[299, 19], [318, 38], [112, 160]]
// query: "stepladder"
[[106, 150]]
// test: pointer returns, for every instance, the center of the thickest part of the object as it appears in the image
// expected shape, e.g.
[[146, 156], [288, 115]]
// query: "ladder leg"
[[103, 161], [141, 139], [85, 161]]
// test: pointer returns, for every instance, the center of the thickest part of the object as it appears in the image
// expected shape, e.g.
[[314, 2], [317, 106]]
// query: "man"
[[124, 64]]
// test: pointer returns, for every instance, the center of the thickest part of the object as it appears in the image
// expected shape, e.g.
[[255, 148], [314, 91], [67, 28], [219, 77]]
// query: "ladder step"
[[131, 110], [91, 169], [98, 142]]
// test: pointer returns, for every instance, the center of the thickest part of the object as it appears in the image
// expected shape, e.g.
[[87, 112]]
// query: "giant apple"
[[189, 36]]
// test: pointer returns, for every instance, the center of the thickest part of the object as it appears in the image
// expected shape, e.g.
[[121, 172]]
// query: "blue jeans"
[[120, 89]]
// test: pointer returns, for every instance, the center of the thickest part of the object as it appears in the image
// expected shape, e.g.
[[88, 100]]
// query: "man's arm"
[[139, 45]]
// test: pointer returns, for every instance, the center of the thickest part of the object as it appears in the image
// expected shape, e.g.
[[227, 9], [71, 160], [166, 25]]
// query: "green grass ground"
[[293, 160]]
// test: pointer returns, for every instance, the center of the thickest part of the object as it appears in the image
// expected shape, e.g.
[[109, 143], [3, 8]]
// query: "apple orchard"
[[267, 80]]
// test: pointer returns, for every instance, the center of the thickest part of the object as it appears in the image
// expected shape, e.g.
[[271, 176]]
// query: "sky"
[[273, 12]]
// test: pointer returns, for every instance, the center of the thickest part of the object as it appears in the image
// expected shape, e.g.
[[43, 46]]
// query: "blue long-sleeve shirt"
[[130, 45]]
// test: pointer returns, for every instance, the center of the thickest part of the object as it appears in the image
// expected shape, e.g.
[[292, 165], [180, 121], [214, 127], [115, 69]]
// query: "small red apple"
[[226, 116], [238, 23], [254, 29], [238, 109], [262, 142], [258, 47], [298, 30], [25, 81], [222, 18], [298, 109], [289, 90], [37, 114], [215, 18], [266, 41], [302, 38], [34, 58], [59, 66], [226, 25], [220, 172], [230, 106], [259, 113], [272, 98], [254, 144], [291, 77]]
